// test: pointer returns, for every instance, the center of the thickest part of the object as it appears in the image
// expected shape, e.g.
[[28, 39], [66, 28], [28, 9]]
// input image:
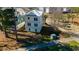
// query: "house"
[[19, 13], [66, 10], [44, 9], [40, 9], [53, 9], [20, 17], [34, 21], [56, 9]]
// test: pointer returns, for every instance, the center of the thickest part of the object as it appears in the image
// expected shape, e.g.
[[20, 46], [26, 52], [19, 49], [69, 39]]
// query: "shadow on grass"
[[58, 47], [49, 30]]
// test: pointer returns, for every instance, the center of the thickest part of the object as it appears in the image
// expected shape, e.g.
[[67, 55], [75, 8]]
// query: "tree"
[[57, 16], [75, 10], [3, 21], [8, 19], [72, 17]]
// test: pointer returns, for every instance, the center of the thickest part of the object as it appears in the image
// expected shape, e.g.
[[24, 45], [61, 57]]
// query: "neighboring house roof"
[[26, 9], [34, 13], [65, 9], [20, 11]]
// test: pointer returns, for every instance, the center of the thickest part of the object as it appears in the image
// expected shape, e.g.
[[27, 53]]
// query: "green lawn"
[[73, 43], [46, 38], [71, 46]]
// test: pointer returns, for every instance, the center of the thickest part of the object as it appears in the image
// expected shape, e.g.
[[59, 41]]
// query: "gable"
[[31, 14], [34, 13]]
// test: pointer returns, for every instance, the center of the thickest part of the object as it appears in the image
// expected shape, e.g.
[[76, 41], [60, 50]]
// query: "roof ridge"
[[36, 12]]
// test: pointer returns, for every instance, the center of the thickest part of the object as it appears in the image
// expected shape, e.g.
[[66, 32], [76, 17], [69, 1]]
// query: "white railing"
[[20, 25]]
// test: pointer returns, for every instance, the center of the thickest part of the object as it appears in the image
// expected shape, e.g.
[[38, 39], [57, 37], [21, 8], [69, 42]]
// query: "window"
[[35, 30], [35, 25], [35, 19], [29, 29], [29, 24], [28, 17], [20, 20]]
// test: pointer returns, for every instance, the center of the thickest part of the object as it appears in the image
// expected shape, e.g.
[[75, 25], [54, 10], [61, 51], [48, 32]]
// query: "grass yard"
[[73, 43], [58, 47], [46, 38], [71, 46]]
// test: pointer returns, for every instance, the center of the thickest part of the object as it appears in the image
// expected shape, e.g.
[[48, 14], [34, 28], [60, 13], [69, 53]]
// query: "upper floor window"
[[35, 19], [35, 25], [28, 17], [29, 24]]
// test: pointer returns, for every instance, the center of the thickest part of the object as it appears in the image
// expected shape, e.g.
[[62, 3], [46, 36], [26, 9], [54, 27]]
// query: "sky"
[[39, 3]]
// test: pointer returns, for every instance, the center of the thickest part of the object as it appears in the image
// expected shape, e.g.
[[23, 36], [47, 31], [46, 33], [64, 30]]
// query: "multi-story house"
[[34, 21]]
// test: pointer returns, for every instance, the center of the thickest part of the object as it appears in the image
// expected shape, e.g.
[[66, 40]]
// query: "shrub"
[[73, 43], [46, 38]]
